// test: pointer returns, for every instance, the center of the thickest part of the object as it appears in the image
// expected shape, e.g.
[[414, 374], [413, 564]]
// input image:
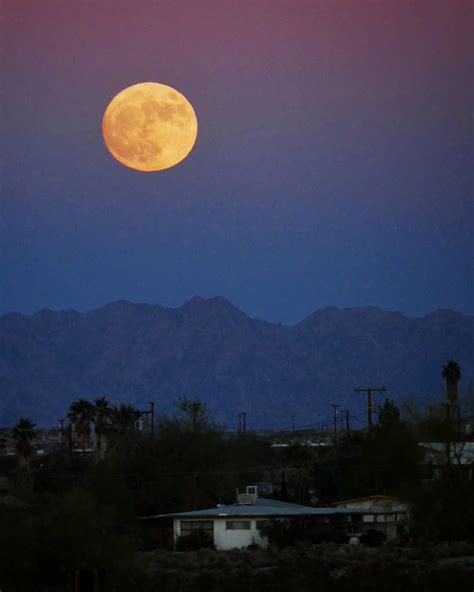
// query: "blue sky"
[[333, 166]]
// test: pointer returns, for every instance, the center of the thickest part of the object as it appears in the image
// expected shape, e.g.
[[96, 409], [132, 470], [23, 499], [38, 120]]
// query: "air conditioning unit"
[[249, 498], [246, 499]]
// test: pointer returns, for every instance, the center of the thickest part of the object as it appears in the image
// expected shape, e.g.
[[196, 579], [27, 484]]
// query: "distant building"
[[459, 455]]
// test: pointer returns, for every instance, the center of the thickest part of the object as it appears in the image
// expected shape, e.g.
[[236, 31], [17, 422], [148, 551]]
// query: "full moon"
[[149, 127]]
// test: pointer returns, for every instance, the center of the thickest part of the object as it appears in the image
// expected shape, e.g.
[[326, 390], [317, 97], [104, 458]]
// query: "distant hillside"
[[211, 350]]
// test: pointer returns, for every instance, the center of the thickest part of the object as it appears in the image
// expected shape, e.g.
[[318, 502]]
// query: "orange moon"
[[149, 127]]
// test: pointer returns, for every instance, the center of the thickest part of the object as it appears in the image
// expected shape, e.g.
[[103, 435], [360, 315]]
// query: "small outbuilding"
[[379, 512]]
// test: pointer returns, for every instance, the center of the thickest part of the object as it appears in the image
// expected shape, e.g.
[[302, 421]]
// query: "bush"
[[373, 538], [287, 533], [197, 539]]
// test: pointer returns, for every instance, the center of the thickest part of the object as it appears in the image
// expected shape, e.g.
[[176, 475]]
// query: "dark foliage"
[[386, 460], [197, 539], [43, 543], [288, 533], [373, 538], [443, 508]]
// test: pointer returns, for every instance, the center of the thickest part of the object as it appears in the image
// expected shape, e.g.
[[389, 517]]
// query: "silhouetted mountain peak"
[[332, 317], [214, 305], [446, 313]]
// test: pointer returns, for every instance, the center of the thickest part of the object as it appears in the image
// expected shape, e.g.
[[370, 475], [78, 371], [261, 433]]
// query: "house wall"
[[230, 539], [374, 505], [388, 524]]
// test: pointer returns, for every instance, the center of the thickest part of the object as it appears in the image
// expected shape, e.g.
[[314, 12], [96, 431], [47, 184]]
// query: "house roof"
[[263, 507], [374, 498]]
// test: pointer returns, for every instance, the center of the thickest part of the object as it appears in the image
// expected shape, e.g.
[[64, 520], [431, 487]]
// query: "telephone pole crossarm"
[[370, 390]]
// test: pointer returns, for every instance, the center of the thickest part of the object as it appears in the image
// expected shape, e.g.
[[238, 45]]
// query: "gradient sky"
[[333, 166]]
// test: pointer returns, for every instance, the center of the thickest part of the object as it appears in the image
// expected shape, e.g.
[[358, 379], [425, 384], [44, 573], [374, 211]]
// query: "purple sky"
[[333, 166]]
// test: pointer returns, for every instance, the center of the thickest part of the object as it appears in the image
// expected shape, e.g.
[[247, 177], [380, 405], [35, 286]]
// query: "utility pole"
[[448, 433], [460, 436], [70, 438], [336, 412], [152, 415], [369, 390], [242, 422], [61, 421], [194, 410], [293, 423], [347, 422]]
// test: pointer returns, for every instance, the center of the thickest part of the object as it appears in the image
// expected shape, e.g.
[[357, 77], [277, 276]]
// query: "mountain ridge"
[[198, 299], [210, 349]]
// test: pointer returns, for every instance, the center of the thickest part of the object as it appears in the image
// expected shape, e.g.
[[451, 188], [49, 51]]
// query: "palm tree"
[[24, 432], [81, 413], [102, 415], [124, 418], [452, 373], [124, 425]]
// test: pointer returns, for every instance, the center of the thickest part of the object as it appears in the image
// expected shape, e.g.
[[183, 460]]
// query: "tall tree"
[[124, 418], [102, 416], [193, 415], [452, 374], [24, 432], [81, 414], [389, 416], [123, 426]]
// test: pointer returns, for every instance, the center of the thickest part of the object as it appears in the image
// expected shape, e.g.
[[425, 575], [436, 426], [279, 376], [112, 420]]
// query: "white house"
[[237, 525]]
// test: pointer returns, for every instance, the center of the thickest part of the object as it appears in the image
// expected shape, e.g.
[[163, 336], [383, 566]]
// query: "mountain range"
[[208, 349]]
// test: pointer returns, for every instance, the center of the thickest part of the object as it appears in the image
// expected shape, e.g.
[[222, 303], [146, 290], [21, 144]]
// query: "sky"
[[333, 164]]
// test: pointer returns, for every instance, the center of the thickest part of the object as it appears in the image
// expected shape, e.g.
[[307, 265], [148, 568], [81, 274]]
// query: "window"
[[379, 518], [368, 518], [188, 526], [237, 525]]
